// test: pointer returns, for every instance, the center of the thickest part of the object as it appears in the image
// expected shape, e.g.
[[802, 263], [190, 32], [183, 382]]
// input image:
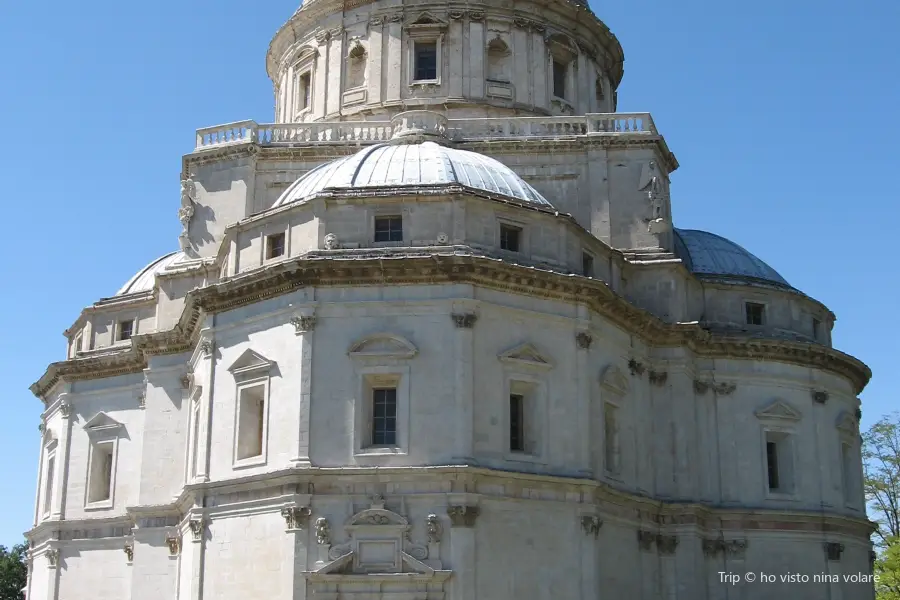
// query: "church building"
[[432, 334]]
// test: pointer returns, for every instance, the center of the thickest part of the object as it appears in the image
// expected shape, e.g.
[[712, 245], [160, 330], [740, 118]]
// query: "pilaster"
[[463, 320], [455, 58], [463, 514], [476, 59], [583, 340], [63, 452], [376, 56], [394, 59], [334, 75], [304, 324]]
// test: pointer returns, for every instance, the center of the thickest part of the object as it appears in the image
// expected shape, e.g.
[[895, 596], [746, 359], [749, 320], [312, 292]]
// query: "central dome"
[[413, 165]]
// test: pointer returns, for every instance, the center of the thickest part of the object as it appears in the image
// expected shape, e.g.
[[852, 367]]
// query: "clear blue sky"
[[783, 116]]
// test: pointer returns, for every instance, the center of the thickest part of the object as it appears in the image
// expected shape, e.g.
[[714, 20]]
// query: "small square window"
[[559, 79], [510, 238], [384, 417], [425, 61], [389, 229], [587, 264], [304, 89], [755, 313], [274, 246], [125, 330], [516, 423]]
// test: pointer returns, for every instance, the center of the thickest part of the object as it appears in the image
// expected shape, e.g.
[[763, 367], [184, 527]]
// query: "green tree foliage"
[[881, 460], [887, 569], [13, 572]]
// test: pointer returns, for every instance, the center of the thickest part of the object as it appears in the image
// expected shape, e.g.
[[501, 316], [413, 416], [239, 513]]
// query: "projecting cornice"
[[418, 267]]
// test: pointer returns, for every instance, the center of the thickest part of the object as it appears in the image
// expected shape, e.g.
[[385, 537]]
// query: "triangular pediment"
[[526, 355], [427, 19], [779, 410], [387, 345], [377, 516], [614, 380], [251, 363], [101, 422], [846, 423]]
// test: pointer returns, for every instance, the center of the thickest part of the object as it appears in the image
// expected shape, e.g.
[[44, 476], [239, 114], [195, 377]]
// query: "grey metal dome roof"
[[422, 164], [711, 255], [145, 279]]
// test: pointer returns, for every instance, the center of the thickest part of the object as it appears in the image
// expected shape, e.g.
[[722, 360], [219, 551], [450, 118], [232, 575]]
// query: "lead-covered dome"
[[413, 165], [145, 279], [711, 255]]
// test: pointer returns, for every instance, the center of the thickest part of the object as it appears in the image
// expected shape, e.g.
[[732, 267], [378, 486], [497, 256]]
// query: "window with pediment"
[[525, 397], [779, 449], [425, 36], [252, 373], [104, 434]]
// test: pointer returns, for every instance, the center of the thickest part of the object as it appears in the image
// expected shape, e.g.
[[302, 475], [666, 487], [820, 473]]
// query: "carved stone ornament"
[[323, 37], [129, 551], [456, 15], [173, 541], [464, 320], [196, 526], [397, 18], [303, 323], [462, 516], [701, 387], [734, 548], [187, 380], [658, 378], [65, 407], [833, 550], [584, 340], [142, 400], [711, 547], [635, 367], [645, 539], [186, 212], [42, 427], [52, 557], [323, 532], [819, 397], [331, 242], [476, 15], [206, 348], [725, 388], [591, 525], [376, 20], [666, 544], [296, 517], [434, 528]]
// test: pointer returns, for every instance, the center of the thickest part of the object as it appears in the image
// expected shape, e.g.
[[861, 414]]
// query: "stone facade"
[[446, 378]]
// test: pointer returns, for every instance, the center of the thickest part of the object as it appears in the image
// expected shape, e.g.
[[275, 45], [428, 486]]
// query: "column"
[[304, 325], [335, 86], [454, 75], [464, 317], [462, 549], [394, 63], [476, 55], [373, 80]]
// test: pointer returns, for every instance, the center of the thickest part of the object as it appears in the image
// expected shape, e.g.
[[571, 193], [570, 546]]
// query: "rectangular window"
[[426, 61], [125, 330], [816, 326], [303, 91], [389, 229], [384, 417], [510, 238], [48, 483], [100, 479], [779, 462], [611, 438], [274, 245], [559, 79], [516, 423], [755, 313], [587, 264], [251, 421]]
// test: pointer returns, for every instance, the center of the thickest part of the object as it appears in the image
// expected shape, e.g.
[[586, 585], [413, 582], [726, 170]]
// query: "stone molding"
[[319, 270]]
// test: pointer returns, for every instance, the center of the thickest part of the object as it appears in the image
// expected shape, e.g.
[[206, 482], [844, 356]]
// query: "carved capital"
[[206, 348], [819, 396], [476, 15], [833, 550], [323, 36], [456, 15], [584, 340], [303, 323], [65, 406], [296, 517], [42, 427], [196, 525], [636, 368], [376, 20], [129, 551], [52, 555], [323, 532], [724, 389], [142, 400], [462, 516], [591, 525], [645, 540], [397, 18], [434, 528], [736, 548], [187, 380], [711, 547], [173, 541], [464, 320], [666, 544], [522, 23], [701, 387], [658, 378]]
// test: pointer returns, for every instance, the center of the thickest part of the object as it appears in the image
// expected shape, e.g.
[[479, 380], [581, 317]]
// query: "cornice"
[[348, 268]]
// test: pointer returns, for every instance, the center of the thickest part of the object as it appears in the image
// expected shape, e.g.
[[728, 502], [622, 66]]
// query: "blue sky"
[[783, 116]]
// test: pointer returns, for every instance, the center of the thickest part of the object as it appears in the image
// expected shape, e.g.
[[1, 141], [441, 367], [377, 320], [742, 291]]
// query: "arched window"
[[498, 60], [356, 65]]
